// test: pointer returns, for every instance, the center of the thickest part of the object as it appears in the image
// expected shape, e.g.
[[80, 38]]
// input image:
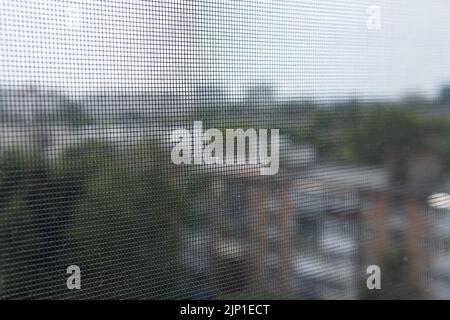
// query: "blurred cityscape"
[[89, 181]]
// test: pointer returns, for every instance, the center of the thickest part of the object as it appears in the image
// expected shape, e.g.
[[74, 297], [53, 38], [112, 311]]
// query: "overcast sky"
[[312, 48]]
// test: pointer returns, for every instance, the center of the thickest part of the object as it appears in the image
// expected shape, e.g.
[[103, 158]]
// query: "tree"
[[35, 210], [383, 131], [125, 229], [444, 95], [72, 114]]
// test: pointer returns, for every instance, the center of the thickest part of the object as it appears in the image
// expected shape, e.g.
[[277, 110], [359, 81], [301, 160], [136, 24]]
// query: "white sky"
[[313, 48]]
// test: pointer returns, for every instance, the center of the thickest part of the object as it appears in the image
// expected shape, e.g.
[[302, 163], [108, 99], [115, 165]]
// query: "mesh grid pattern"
[[91, 92]]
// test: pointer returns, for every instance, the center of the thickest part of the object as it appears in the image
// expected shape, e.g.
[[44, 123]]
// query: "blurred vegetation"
[[367, 134], [112, 212], [70, 114], [35, 211]]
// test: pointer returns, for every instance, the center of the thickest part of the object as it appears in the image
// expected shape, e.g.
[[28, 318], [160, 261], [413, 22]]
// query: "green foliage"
[[197, 184], [324, 130], [437, 136], [15, 166], [86, 157], [34, 214], [127, 221], [382, 130], [72, 114], [368, 134], [112, 212]]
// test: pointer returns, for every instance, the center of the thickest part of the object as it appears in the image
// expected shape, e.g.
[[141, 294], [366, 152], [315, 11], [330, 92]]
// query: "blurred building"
[[312, 230]]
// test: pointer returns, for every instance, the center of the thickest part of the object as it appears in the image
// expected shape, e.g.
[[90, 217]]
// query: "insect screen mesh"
[[211, 149]]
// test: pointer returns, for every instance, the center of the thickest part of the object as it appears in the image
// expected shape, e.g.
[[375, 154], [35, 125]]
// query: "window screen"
[[224, 149]]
